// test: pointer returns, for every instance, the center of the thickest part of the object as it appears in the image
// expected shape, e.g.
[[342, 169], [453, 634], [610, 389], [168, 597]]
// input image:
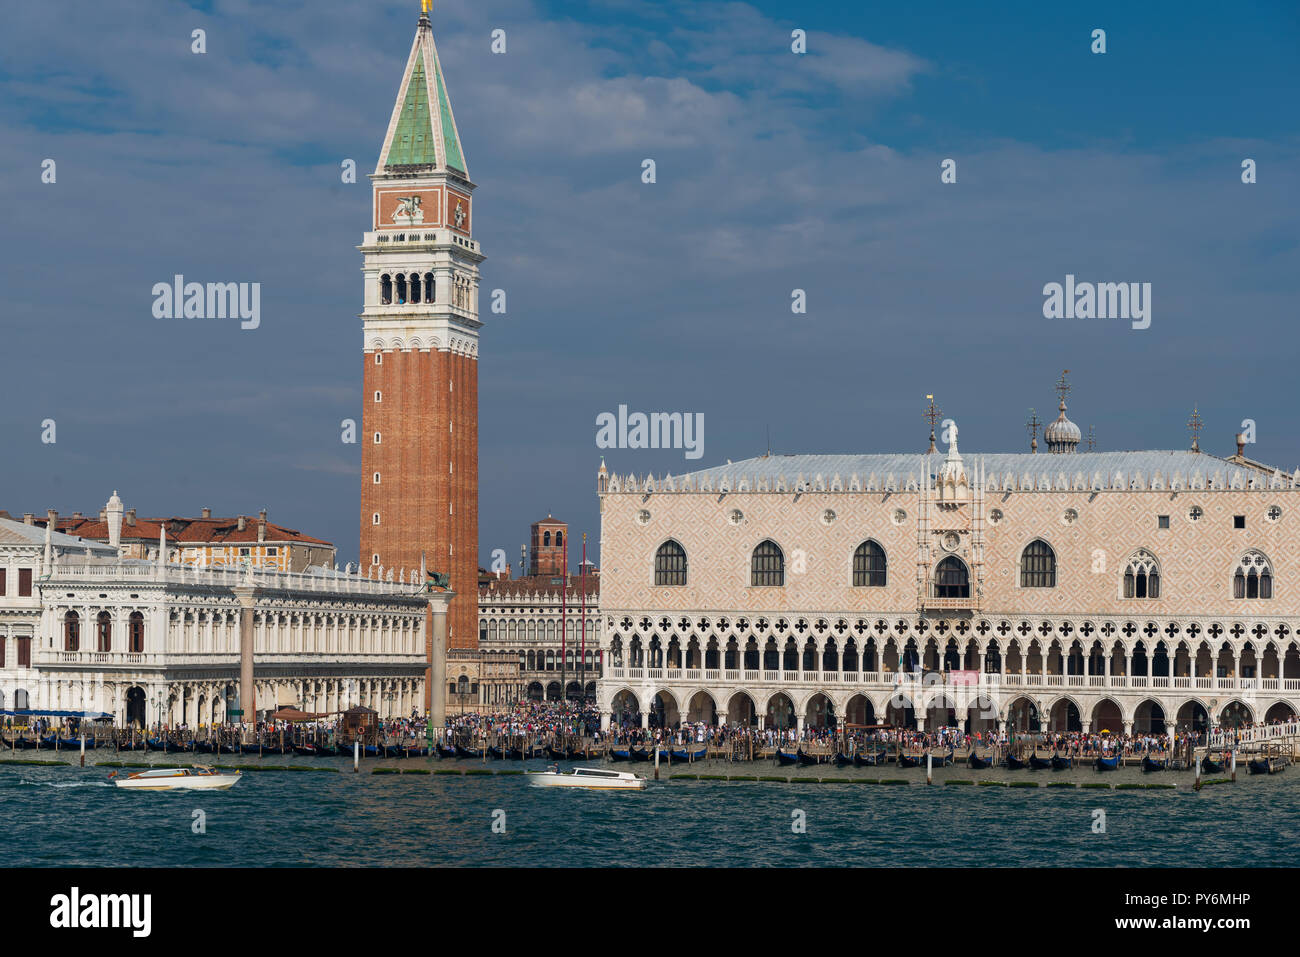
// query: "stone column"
[[435, 647], [247, 596]]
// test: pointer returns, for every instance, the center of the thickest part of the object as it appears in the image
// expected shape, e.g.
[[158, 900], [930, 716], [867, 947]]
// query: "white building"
[[84, 629]]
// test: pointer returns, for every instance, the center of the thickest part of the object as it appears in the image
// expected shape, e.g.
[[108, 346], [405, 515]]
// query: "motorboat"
[[199, 777], [595, 778]]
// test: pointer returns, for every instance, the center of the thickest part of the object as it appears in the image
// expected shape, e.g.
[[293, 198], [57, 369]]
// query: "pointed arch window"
[[1038, 565], [767, 565], [1253, 577], [1142, 576], [869, 565], [670, 564], [951, 579]]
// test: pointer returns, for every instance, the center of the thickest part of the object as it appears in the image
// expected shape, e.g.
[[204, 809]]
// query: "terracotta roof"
[[185, 530], [540, 584]]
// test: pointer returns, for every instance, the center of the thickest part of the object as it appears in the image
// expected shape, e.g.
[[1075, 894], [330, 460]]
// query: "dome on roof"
[[1062, 435]]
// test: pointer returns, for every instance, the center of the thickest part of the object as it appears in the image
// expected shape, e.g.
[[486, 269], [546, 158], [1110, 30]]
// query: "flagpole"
[[564, 616], [582, 653]]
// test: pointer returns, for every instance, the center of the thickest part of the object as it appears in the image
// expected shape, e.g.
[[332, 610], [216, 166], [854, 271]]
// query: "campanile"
[[419, 483]]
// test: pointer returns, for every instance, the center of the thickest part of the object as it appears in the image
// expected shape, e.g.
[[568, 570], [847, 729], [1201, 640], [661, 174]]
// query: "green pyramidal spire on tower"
[[423, 132]]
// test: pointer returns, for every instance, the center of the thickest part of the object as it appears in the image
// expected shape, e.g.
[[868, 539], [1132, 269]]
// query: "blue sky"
[[775, 172]]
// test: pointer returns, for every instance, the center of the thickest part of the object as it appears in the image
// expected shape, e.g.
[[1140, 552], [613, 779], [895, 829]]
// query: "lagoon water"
[[67, 816]]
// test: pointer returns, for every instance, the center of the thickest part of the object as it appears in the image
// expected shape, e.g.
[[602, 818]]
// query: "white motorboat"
[[597, 778], [199, 777]]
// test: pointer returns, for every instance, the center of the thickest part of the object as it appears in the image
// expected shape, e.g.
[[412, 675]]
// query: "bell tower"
[[419, 483]]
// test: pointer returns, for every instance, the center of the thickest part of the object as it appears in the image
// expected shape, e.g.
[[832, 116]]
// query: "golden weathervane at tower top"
[[425, 5]]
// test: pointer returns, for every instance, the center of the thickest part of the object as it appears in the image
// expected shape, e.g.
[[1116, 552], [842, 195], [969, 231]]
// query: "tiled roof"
[[540, 585], [194, 531], [999, 464], [19, 533]]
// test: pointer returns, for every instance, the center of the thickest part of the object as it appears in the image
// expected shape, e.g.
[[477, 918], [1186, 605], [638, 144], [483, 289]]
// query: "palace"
[[1073, 590]]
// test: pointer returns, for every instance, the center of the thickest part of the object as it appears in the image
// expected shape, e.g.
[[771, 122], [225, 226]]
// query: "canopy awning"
[[37, 712], [293, 714]]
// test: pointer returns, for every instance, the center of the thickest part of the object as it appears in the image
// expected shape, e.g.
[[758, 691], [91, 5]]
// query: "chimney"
[[242, 523], [29, 518], [103, 515], [113, 513], [78, 516], [207, 512], [130, 516], [261, 525], [1241, 445]]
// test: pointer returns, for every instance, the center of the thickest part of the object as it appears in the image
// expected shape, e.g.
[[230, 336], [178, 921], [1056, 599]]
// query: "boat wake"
[[67, 784]]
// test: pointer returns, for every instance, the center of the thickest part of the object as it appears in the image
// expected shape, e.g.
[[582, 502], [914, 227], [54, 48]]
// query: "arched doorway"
[[780, 711], [741, 711], [820, 712], [981, 716], [534, 691], [663, 711], [702, 708], [1106, 716], [135, 713], [1064, 717], [1281, 711], [1022, 717], [860, 711], [899, 713], [625, 709], [1149, 718], [1234, 715], [1193, 716]]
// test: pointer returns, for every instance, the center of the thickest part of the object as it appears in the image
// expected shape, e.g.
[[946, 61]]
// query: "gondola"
[[305, 750], [156, 744], [941, 760], [784, 759], [978, 763], [445, 752], [1014, 763], [26, 744], [1210, 766], [909, 760], [869, 760], [640, 754], [1061, 764], [52, 742], [253, 749], [415, 752], [1149, 765], [514, 754], [617, 754], [495, 752], [555, 754], [475, 753], [1265, 766], [1039, 764], [1104, 763], [127, 745], [807, 760]]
